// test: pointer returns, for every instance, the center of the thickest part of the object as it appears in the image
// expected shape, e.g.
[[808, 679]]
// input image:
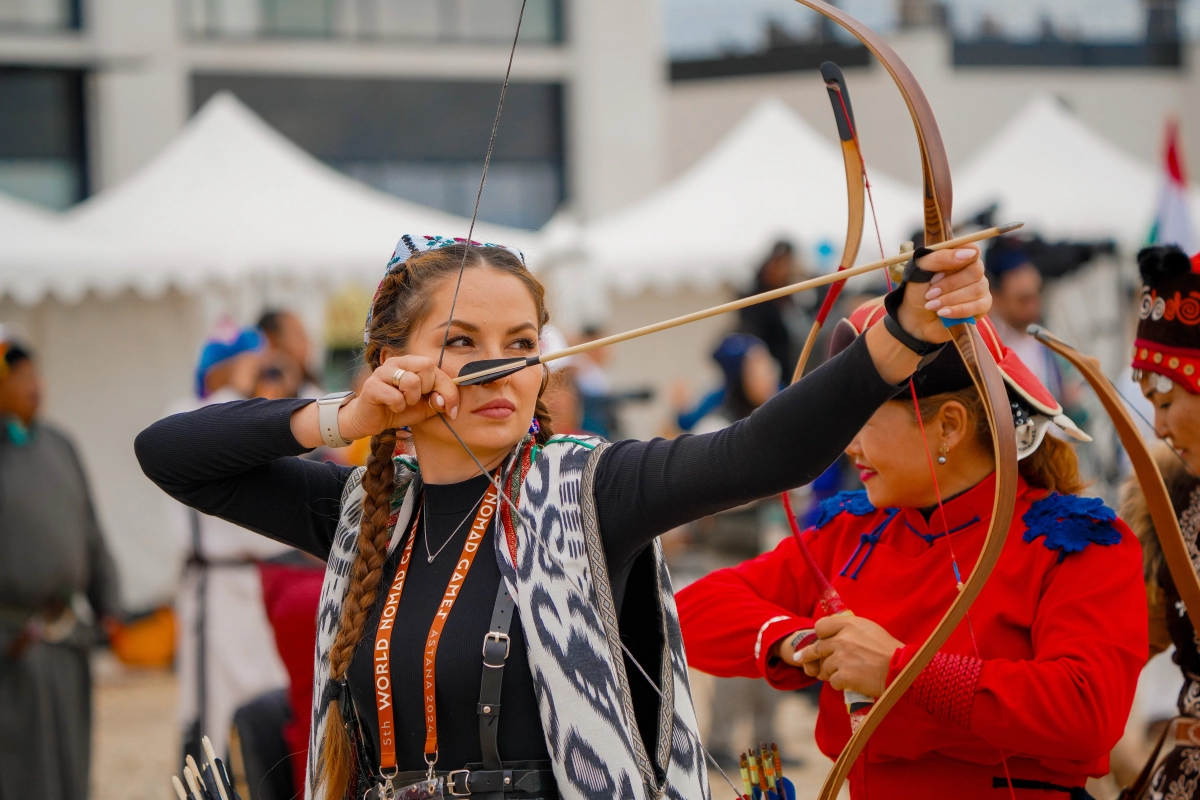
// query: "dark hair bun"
[[1156, 263]]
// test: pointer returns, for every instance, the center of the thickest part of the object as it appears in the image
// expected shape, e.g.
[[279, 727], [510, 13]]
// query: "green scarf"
[[17, 432]]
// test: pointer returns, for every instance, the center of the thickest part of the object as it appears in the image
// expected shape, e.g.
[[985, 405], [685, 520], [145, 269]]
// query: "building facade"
[[398, 93]]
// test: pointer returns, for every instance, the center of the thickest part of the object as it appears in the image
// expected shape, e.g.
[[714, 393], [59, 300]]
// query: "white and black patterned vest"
[[564, 597]]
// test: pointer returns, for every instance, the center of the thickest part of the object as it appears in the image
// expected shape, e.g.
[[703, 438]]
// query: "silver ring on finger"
[[397, 376]]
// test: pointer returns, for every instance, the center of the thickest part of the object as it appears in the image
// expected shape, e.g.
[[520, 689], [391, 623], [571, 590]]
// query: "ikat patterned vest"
[[561, 583]]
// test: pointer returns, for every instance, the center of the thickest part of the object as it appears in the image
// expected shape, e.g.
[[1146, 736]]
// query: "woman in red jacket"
[[1035, 686]]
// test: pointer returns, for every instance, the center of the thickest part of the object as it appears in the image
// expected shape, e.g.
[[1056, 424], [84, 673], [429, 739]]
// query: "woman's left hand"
[[850, 653], [959, 290]]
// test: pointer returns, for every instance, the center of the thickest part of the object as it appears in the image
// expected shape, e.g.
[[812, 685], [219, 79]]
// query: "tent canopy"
[[40, 256], [773, 177], [1062, 179], [230, 198]]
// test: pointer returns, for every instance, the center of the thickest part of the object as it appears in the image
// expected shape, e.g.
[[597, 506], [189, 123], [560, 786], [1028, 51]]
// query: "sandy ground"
[[137, 737], [136, 744]]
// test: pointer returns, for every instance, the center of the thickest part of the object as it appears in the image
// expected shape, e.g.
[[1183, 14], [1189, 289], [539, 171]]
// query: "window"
[[39, 16], [407, 20], [424, 141], [42, 138]]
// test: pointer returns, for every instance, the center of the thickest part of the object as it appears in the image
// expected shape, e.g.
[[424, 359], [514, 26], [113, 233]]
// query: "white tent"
[[773, 177], [229, 218], [231, 199], [1052, 172], [40, 256]]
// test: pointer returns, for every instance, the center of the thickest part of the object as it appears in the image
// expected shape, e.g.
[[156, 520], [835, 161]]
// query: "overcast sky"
[[703, 27]]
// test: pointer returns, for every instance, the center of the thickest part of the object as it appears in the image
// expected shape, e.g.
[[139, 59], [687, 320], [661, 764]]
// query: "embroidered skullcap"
[[1168, 332], [409, 246], [225, 341], [1032, 405]]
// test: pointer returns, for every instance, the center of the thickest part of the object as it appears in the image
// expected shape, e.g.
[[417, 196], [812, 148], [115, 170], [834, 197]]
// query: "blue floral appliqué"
[[1071, 523], [855, 503]]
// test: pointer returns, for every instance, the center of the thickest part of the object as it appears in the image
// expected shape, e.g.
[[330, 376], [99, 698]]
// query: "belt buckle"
[[499, 637], [450, 781]]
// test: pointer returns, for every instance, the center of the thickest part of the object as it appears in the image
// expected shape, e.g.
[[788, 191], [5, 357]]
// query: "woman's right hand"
[[423, 390], [380, 404]]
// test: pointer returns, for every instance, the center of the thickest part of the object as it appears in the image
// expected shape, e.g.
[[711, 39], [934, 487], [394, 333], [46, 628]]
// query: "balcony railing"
[[39, 16], [400, 20]]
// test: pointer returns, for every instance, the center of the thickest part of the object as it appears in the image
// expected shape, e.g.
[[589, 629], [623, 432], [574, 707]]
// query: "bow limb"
[[1158, 501], [839, 96], [938, 199]]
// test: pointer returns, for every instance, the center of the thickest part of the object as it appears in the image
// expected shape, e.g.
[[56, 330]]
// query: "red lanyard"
[[383, 636]]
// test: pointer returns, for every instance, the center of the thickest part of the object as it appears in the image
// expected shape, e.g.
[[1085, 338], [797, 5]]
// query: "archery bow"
[[843, 112], [983, 370], [938, 193], [1158, 501]]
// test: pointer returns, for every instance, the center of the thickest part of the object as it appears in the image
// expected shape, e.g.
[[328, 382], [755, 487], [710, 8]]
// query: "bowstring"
[[495, 482], [487, 161], [920, 422], [866, 177]]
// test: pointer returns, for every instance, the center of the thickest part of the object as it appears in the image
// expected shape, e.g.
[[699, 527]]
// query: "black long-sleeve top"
[[237, 461]]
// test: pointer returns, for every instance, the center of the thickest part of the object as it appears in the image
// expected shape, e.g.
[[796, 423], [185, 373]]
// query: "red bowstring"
[[866, 177], [953, 556], [920, 422]]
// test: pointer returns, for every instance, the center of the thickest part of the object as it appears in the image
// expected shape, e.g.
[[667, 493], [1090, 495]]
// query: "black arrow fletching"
[[492, 370]]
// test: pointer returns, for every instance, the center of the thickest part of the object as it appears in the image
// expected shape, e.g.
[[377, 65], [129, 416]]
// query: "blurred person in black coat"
[[777, 322]]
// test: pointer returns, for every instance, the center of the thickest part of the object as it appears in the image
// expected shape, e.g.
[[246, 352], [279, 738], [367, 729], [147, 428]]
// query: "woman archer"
[[1027, 698], [569, 600], [1166, 362]]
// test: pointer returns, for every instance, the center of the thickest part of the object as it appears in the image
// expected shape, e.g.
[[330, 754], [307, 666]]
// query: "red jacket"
[[1060, 627]]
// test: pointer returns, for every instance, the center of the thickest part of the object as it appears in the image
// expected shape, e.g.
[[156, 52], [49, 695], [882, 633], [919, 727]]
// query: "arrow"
[[479, 372]]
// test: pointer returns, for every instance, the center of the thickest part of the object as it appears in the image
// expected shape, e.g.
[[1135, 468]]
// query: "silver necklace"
[[425, 529]]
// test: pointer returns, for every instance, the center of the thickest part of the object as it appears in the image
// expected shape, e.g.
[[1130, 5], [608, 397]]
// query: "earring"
[[535, 427], [942, 451]]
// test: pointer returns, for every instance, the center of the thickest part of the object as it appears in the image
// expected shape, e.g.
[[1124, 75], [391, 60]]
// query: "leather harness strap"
[[495, 651]]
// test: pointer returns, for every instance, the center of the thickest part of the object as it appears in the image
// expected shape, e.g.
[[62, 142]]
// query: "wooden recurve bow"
[[843, 112], [938, 193], [1158, 501]]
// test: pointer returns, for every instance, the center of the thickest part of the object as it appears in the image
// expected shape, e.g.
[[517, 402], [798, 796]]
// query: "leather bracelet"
[[891, 303]]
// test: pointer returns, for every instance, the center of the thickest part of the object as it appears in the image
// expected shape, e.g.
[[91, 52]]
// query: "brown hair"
[[1053, 466], [400, 305]]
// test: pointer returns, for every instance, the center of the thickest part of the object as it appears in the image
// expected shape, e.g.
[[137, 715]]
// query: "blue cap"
[[228, 341]]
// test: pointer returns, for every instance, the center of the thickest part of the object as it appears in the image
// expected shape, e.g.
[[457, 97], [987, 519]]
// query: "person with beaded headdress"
[[1031, 692], [1166, 364], [497, 618]]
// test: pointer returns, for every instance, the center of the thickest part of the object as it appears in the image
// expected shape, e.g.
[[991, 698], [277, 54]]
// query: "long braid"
[[337, 756]]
